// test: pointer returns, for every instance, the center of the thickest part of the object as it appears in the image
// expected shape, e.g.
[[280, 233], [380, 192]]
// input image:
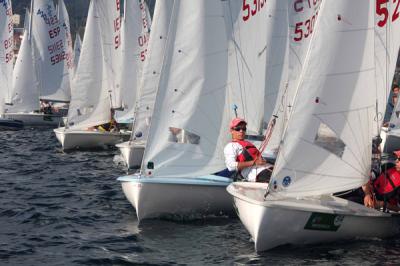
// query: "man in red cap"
[[243, 157]]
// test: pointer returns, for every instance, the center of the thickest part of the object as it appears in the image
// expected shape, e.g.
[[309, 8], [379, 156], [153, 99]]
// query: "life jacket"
[[249, 153], [387, 184]]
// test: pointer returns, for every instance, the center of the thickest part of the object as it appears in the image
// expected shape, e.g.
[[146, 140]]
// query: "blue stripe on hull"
[[201, 180]]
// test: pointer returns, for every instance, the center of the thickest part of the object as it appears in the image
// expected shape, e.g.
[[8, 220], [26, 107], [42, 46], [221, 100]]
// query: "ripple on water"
[[61, 208]]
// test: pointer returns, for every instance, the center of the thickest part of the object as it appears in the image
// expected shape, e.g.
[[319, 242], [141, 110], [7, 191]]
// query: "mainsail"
[[210, 59], [387, 23], [51, 46], [66, 32], [25, 93], [6, 53], [95, 82], [135, 33], [247, 32]]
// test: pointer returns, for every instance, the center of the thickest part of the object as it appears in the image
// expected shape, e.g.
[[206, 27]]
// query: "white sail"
[[206, 66], [51, 46], [110, 25], [301, 16], [92, 88], [135, 38], [336, 90], [25, 93], [146, 15], [387, 42], [6, 52], [152, 67], [277, 54], [66, 31], [186, 84], [77, 50], [247, 30]]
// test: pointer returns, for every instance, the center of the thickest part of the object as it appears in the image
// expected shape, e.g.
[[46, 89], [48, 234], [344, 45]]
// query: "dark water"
[[68, 209]]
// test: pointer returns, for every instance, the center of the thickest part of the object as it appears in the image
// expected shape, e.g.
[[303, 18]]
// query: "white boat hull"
[[36, 119], [276, 222], [132, 152], [177, 198], [85, 139]]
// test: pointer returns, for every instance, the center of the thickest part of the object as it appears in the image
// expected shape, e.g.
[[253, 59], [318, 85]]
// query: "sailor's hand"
[[369, 201], [260, 161]]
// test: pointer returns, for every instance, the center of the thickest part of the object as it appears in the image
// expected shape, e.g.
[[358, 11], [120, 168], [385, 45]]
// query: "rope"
[[268, 134]]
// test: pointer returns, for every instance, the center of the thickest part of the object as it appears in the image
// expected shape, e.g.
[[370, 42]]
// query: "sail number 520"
[[382, 11]]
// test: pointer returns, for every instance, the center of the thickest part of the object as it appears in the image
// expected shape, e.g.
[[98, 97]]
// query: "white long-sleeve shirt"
[[231, 152]]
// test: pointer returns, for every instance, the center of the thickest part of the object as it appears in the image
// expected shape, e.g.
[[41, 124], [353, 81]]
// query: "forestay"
[[336, 89], [6, 53], [51, 47], [135, 33], [152, 68], [25, 93]]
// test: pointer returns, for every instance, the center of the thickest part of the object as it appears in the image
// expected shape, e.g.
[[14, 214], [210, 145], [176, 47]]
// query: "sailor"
[[243, 157], [391, 105], [387, 187], [46, 107]]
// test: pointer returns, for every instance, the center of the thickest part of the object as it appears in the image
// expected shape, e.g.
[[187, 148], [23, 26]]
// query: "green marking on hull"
[[324, 222]]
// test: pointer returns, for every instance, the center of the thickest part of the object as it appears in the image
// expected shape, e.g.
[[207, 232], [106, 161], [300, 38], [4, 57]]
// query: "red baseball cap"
[[397, 153], [236, 121]]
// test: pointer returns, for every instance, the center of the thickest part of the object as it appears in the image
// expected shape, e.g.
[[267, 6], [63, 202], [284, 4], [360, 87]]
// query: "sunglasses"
[[239, 128]]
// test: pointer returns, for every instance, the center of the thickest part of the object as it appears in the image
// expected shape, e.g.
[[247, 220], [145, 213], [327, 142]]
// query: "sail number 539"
[[383, 12]]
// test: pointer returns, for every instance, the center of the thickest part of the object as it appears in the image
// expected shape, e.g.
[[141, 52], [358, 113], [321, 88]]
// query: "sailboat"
[[132, 150], [50, 51], [211, 57], [6, 64], [94, 86], [336, 90]]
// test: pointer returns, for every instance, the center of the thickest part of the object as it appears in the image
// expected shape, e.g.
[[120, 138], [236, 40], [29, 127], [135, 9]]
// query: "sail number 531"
[[250, 9], [383, 12]]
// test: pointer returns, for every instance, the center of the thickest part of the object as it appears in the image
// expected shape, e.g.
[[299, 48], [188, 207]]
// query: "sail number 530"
[[383, 12]]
